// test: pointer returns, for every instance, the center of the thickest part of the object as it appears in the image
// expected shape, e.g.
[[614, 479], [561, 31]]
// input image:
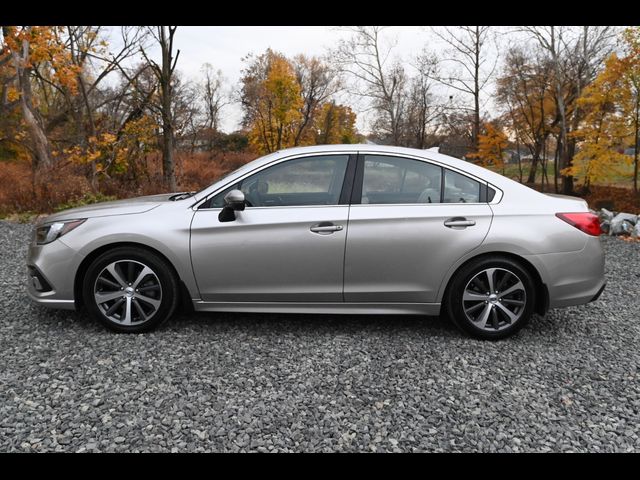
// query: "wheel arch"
[[542, 292], [185, 297]]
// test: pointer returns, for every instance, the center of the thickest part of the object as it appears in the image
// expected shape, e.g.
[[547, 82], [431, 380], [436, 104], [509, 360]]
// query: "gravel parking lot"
[[250, 382]]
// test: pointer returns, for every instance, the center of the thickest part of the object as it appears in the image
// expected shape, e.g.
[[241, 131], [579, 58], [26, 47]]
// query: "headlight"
[[49, 232]]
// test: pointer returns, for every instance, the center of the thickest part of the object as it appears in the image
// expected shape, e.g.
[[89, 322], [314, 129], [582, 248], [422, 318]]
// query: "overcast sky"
[[224, 47]]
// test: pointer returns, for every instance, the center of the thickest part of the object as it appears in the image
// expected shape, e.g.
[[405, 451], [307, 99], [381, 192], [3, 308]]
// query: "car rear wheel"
[[130, 290], [491, 298]]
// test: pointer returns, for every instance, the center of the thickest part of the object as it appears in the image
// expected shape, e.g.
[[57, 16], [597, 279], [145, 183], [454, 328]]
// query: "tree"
[[468, 51], [611, 106], [575, 55], [318, 82], [164, 73], [422, 109], [630, 66], [491, 146], [365, 57], [524, 92], [335, 124], [26, 47], [271, 97], [213, 97]]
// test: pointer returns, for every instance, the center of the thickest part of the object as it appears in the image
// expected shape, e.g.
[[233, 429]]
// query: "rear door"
[[410, 221]]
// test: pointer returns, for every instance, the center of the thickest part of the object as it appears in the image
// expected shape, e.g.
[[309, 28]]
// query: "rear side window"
[[389, 180], [460, 188]]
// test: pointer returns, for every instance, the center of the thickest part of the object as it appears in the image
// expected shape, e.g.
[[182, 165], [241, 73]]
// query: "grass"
[[621, 175]]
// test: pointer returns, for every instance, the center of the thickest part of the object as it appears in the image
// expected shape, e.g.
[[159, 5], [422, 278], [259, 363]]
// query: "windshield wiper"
[[181, 196]]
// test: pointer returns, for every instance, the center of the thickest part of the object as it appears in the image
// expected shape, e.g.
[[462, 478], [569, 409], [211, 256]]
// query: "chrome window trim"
[[496, 199]]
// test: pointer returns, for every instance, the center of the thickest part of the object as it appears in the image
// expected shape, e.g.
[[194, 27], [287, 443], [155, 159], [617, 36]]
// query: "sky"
[[224, 47]]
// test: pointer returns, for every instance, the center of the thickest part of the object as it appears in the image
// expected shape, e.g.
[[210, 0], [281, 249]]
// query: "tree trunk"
[[31, 116], [635, 148]]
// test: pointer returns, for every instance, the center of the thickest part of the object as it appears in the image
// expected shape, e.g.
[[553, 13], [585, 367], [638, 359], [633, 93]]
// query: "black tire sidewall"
[[164, 272], [453, 303]]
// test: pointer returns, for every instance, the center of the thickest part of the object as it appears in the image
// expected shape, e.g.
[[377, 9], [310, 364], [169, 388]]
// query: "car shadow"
[[275, 323]]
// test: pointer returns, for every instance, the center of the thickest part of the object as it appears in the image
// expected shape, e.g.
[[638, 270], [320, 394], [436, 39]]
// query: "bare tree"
[[468, 53], [164, 73], [318, 82], [213, 97], [367, 59], [422, 109]]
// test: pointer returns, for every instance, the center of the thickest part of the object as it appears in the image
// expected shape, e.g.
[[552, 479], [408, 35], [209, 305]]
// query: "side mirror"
[[233, 201]]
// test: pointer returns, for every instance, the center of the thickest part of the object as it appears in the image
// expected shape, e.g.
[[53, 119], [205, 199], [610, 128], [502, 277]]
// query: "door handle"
[[459, 222], [325, 228]]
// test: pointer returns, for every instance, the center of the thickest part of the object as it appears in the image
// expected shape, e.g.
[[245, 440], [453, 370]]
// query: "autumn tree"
[[575, 54], [525, 94], [492, 144], [335, 124], [611, 106], [23, 48], [271, 98]]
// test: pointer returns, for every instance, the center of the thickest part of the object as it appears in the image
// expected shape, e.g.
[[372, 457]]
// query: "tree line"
[[562, 95]]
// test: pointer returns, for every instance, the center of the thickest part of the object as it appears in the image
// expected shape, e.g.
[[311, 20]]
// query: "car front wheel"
[[491, 298], [130, 289]]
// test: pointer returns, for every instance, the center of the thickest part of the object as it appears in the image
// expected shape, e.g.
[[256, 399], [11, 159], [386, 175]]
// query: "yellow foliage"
[[491, 146], [611, 105], [335, 124], [275, 106]]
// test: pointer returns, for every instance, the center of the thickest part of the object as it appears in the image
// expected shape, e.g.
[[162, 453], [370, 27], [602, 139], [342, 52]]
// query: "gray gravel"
[[250, 382]]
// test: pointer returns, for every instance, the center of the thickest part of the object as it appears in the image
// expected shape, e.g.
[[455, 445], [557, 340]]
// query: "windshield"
[[242, 169]]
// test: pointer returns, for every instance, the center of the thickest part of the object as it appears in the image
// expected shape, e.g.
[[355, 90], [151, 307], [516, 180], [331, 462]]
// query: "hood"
[[116, 207]]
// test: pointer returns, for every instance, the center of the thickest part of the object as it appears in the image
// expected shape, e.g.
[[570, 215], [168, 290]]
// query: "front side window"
[[304, 181], [400, 180]]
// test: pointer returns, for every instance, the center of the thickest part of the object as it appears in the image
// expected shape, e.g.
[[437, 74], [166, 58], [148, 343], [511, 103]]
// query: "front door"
[[286, 246]]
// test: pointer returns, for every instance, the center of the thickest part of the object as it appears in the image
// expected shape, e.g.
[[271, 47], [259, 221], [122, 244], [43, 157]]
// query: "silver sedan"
[[359, 229]]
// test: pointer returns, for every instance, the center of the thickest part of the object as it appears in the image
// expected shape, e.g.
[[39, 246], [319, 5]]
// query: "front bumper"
[[51, 272]]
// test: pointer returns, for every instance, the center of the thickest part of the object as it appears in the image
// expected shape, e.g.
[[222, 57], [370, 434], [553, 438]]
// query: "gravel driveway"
[[251, 382]]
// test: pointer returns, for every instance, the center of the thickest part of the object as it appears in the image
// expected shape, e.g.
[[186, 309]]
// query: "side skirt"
[[332, 308]]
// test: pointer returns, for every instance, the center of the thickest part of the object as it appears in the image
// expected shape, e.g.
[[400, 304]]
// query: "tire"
[[497, 315], [133, 280]]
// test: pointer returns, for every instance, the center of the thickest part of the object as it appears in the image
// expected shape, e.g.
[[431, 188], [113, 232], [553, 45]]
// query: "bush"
[[68, 185]]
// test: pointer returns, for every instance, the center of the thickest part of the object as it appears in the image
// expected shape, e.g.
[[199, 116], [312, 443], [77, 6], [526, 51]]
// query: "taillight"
[[585, 221]]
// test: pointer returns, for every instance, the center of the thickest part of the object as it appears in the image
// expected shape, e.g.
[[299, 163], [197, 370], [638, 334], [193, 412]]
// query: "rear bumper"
[[572, 278]]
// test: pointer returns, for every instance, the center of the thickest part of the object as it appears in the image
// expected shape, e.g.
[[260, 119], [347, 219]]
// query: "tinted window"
[[304, 181], [400, 180], [460, 188]]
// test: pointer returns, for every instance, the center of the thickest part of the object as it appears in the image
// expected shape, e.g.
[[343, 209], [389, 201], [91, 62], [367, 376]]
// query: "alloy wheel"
[[128, 292], [494, 299]]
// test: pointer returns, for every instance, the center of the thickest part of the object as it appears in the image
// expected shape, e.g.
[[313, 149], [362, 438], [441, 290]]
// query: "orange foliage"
[[67, 181]]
